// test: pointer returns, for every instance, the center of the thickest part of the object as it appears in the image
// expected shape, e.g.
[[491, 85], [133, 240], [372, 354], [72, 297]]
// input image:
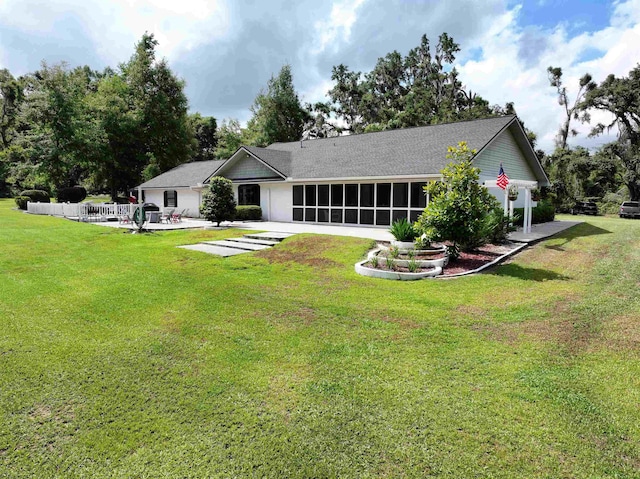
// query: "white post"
[[506, 201], [527, 211], [530, 209]]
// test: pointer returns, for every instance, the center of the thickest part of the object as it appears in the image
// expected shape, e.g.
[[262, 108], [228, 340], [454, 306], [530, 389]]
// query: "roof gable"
[[253, 163]]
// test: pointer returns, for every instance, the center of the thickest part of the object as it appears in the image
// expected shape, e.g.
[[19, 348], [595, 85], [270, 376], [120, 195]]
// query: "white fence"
[[81, 210]]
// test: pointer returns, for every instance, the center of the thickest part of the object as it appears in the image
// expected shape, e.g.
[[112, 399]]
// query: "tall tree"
[[572, 111], [205, 131], [159, 96], [10, 99], [230, 138], [621, 98], [278, 115], [419, 89]]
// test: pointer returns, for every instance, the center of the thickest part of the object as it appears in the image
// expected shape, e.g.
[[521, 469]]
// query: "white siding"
[[247, 168], [504, 149], [187, 200]]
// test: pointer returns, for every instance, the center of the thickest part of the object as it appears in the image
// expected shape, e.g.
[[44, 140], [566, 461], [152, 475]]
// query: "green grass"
[[124, 356]]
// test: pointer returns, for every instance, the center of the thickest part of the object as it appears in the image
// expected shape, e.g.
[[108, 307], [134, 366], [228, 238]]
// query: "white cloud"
[[338, 26], [115, 26], [501, 74]]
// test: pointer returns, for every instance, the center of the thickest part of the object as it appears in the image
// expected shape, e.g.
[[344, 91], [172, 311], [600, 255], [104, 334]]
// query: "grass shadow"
[[529, 274], [577, 231]]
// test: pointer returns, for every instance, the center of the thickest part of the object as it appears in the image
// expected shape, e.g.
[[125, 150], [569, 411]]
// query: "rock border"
[[397, 275]]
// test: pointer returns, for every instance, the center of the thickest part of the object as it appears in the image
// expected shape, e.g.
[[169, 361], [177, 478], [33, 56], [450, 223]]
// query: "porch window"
[[170, 199], [249, 195]]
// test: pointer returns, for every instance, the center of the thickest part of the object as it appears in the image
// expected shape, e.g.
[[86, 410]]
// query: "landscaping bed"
[[421, 263]]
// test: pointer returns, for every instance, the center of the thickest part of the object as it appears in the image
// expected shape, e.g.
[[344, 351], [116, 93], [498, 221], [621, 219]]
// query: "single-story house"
[[367, 179]]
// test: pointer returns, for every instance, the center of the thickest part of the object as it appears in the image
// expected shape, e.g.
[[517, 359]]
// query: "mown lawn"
[[124, 356]]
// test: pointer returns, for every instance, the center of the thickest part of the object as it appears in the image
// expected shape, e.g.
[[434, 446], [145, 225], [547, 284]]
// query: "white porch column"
[[506, 201], [527, 211]]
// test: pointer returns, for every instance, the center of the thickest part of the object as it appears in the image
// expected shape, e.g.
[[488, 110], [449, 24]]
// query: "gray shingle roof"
[[409, 151], [185, 175]]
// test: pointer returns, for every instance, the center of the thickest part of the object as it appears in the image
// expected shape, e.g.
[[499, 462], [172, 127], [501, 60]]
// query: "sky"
[[226, 50]]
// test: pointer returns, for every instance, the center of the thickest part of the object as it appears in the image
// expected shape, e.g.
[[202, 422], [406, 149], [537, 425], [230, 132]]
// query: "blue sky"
[[226, 50]]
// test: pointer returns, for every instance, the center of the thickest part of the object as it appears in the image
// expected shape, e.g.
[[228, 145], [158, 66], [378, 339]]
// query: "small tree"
[[218, 203], [458, 208]]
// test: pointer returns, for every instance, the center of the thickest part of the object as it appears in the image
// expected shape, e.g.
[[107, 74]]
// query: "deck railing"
[[81, 210]]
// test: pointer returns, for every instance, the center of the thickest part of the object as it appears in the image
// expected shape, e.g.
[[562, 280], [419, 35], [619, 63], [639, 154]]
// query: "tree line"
[[107, 130], [110, 130], [611, 173]]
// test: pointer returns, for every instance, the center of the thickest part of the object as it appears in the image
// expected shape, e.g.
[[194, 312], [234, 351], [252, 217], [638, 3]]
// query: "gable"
[[503, 149], [246, 167]]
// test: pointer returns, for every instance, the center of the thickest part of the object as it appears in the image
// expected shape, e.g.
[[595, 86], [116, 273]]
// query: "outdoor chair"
[[177, 217], [166, 217]]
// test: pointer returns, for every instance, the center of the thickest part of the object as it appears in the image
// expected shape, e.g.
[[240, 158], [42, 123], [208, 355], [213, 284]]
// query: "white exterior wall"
[[188, 199], [277, 205]]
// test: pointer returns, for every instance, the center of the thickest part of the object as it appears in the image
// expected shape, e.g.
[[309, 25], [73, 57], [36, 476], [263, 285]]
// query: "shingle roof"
[[185, 175], [409, 151]]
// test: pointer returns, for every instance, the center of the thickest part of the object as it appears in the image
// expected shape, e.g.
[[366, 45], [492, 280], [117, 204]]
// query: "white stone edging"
[[402, 276]]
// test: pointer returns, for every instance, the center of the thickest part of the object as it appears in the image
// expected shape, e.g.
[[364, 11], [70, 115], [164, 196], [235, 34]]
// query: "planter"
[[403, 245], [422, 263], [396, 275]]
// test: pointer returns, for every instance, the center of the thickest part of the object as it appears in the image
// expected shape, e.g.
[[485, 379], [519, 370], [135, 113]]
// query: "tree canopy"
[[421, 88], [109, 130]]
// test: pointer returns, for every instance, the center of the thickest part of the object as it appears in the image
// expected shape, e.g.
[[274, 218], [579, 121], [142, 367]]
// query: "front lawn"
[[124, 356]]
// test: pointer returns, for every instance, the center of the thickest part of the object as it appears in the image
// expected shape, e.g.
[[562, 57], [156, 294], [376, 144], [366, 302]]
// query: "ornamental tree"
[[218, 203], [459, 206]]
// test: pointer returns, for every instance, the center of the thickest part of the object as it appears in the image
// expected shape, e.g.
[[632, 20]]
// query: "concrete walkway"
[[378, 234], [541, 231]]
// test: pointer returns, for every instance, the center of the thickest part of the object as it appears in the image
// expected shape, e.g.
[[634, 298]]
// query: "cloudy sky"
[[226, 50]]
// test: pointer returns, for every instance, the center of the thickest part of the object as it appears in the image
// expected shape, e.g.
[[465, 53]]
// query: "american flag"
[[503, 180]]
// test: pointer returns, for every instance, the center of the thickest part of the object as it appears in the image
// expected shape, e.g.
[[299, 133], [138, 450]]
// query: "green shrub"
[[37, 196], [21, 201], [542, 213], [495, 227], [218, 203], [74, 194], [248, 213], [457, 210], [402, 230]]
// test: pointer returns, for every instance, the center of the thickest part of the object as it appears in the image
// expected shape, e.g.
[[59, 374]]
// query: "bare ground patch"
[[310, 251]]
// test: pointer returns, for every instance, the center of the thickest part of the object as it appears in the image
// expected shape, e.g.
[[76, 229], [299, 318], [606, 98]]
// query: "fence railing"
[[81, 210]]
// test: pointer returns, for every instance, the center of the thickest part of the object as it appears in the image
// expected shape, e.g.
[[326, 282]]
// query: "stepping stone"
[[269, 235], [212, 249], [238, 245], [254, 241]]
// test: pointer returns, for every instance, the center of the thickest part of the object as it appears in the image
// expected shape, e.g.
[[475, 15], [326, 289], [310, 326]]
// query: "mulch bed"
[[469, 261], [475, 259]]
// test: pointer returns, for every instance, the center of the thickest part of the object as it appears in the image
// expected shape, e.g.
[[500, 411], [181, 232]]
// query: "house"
[[367, 179]]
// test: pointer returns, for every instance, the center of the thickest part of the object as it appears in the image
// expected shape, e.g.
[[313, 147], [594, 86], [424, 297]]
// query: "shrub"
[[74, 194], [37, 196], [21, 201], [402, 230], [496, 226], [248, 213], [456, 213], [542, 213], [218, 203]]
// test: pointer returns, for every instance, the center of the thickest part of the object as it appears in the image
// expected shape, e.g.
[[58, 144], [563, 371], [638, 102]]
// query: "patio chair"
[[177, 217], [166, 217]]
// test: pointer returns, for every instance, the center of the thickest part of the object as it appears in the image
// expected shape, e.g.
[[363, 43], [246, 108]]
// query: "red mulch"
[[476, 259]]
